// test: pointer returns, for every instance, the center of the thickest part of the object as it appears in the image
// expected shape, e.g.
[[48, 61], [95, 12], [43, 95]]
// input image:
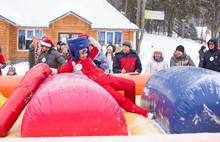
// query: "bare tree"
[[126, 6], [211, 15], [140, 23]]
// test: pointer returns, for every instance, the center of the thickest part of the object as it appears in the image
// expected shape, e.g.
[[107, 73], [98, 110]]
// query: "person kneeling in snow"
[[83, 55]]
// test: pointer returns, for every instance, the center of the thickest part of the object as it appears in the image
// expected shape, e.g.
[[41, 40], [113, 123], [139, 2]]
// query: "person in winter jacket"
[[127, 60], [83, 55], [212, 56], [2, 61], [110, 56], [201, 55], [157, 63], [58, 46], [180, 58], [64, 50], [49, 55], [31, 55], [34, 52], [101, 61]]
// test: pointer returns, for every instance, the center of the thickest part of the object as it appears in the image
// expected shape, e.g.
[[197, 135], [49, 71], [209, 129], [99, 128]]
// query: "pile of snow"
[[167, 45]]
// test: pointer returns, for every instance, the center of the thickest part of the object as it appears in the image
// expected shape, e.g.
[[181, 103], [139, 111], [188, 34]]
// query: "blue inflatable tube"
[[184, 99]]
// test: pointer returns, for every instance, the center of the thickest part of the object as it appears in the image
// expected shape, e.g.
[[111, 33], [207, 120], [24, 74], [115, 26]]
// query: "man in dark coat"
[[180, 58], [212, 56], [31, 56], [49, 55], [127, 60], [202, 55]]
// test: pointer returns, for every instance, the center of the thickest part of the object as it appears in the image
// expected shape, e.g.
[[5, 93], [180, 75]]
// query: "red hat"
[[47, 42]]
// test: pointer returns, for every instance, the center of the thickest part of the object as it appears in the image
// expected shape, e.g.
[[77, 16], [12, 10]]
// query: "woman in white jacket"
[[110, 55], [157, 63]]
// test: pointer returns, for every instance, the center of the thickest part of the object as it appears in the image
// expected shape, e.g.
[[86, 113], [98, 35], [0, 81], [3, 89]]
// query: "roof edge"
[[70, 13], [8, 20], [34, 27], [117, 29]]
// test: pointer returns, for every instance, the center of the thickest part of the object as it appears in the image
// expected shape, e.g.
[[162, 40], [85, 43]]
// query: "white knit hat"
[[110, 47]]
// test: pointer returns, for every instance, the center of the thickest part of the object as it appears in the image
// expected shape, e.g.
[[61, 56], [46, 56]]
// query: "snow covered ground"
[[21, 68], [167, 45], [150, 41]]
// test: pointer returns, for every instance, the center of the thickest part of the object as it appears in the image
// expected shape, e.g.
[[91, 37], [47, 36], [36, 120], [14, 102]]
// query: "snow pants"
[[114, 84]]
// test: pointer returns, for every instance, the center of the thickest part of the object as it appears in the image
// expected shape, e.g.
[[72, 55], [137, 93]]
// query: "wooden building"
[[63, 20]]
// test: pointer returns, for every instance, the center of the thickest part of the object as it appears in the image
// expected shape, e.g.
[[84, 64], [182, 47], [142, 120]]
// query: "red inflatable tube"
[[21, 96], [72, 105]]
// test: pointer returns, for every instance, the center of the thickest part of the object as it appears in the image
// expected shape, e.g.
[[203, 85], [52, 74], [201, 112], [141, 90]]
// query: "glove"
[[151, 116], [97, 63], [54, 71], [94, 43]]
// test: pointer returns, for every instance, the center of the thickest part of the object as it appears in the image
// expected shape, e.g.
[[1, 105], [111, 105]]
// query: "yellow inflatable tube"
[[2, 100]]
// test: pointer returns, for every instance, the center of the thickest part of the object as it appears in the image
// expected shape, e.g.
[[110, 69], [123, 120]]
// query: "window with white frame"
[[38, 34], [25, 37], [101, 38], [118, 38], [110, 37]]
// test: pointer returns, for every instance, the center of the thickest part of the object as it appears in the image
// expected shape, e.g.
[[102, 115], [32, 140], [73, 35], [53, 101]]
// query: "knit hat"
[[76, 44], [112, 47], [12, 68], [180, 48], [47, 43], [158, 50], [127, 43]]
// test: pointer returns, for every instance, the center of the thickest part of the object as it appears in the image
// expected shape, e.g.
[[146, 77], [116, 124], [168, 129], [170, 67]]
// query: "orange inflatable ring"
[[139, 79], [9, 83]]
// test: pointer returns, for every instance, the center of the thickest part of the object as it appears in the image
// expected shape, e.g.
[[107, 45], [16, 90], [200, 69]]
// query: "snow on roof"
[[40, 13]]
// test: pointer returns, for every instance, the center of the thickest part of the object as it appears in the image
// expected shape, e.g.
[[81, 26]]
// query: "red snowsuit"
[[109, 82], [2, 61]]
